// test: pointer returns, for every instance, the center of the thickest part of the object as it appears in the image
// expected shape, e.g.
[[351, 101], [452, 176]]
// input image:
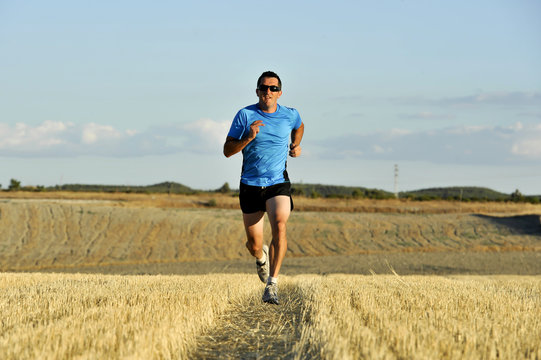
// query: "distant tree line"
[[161, 188], [15, 185], [333, 191], [315, 191], [468, 194]]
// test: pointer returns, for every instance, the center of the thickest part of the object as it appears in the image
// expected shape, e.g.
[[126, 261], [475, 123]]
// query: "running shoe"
[[263, 269], [270, 296]]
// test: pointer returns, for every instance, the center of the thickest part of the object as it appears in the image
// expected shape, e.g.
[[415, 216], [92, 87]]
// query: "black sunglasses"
[[272, 88]]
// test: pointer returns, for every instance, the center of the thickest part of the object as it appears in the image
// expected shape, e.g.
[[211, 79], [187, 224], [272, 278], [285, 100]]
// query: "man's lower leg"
[[277, 253]]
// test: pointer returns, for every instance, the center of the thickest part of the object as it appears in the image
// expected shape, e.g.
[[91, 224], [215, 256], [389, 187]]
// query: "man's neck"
[[268, 110]]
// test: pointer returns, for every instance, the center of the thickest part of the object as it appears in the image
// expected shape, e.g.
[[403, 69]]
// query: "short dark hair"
[[270, 74]]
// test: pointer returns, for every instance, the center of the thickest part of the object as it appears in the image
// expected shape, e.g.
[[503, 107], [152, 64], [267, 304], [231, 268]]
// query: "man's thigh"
[[253, 224], [278, 190], [278, 209]]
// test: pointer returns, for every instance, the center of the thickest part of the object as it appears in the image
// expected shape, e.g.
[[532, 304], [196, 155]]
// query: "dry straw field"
[[107, 278], [65, 316]]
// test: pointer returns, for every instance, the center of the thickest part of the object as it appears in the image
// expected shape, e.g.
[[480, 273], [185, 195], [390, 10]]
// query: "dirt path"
[[254, 330], [440, 263]]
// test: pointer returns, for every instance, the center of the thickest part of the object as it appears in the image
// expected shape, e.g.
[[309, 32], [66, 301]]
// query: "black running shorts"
[[254, 198]]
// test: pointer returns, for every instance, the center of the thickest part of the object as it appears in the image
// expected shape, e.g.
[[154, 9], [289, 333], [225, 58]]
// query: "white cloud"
[[24, 136], [428, 115], [518, 143], [466, 130], [529, 145], [93, 133], [521, 98], [536, 115], [517, 126], [507, 98], [399, 132], [205, 134], [380, 149], [66, 139], [528, 148]]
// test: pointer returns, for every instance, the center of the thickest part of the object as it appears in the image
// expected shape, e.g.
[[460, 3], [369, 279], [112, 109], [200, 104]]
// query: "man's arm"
[[233, 146], [296, 138]]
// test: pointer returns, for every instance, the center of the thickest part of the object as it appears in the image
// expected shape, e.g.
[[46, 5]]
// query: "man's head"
[[269, 90], [270, 74]]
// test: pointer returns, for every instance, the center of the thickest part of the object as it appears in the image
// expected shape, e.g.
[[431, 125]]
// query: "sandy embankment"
[[76, 234]]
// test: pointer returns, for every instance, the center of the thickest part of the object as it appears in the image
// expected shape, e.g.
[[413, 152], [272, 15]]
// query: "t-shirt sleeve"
[[296, 120], [238, 126]]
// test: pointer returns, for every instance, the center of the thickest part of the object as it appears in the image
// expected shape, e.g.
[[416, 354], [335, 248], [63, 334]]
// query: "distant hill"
[[457, 193], [165, 187], [464, 193], [467, 193]]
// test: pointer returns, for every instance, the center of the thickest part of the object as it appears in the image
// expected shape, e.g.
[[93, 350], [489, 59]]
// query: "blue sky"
[[140, 92]]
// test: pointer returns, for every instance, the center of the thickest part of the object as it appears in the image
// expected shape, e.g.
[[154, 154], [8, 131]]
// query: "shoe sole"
[[270, 296], [265, 247], [272, 302]]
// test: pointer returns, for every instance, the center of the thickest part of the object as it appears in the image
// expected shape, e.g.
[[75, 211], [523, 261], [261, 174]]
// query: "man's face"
[[267, 98]]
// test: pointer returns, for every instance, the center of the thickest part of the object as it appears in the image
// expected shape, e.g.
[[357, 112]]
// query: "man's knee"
[[280, 226], [253, 246], [279, 229]]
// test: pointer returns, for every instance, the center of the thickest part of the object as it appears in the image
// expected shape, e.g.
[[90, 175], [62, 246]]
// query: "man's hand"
[[296, 137], [294, 150], [233, 146], [254, 129]]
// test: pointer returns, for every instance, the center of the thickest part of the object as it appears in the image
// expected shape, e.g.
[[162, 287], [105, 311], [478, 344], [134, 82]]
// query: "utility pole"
[[396, 181]]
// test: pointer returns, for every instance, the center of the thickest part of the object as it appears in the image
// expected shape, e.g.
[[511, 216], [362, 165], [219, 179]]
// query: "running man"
[[262, 132]]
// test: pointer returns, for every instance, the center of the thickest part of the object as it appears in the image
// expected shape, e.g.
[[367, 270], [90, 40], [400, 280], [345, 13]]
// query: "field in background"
[[59, 316], [79, 231]]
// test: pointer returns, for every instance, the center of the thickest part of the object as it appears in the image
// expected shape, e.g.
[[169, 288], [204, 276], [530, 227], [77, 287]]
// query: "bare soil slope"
[[41, 234]]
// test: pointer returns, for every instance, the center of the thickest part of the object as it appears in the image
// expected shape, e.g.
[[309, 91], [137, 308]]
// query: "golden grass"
[[220, 316], [48, 316], [387, 317]]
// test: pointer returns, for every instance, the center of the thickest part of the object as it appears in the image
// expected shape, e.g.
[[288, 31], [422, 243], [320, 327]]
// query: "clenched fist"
[[294, 150], [254, 129]]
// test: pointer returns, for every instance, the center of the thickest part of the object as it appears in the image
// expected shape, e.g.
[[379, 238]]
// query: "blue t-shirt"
[[265, 157]]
